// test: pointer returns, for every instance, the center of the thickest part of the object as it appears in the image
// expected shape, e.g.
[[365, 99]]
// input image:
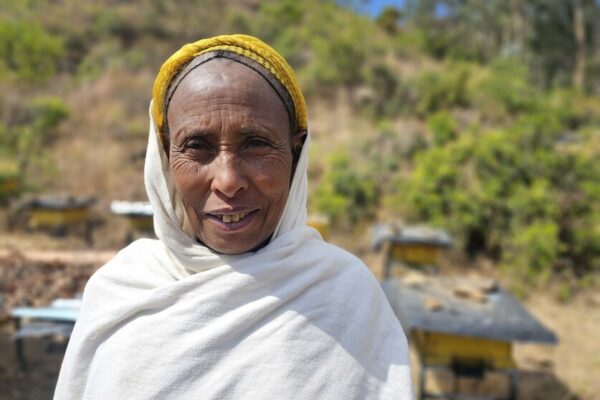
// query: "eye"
[[197, 144], [257, 142]]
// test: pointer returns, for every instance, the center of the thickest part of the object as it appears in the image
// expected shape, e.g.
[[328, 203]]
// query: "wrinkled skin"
[[230, 151]]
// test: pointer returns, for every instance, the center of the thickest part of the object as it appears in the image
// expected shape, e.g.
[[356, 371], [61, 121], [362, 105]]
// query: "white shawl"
[[170, 319]]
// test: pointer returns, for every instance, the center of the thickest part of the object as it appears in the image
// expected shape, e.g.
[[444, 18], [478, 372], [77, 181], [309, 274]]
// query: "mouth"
[[232, 219]]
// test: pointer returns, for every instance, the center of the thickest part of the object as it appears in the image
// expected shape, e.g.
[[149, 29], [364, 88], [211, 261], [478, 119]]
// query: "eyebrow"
[[271, 132], [248, 130], [251, 130], [194, 133]]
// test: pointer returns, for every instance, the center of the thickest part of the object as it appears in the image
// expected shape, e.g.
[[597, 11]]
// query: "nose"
[[229, 176]]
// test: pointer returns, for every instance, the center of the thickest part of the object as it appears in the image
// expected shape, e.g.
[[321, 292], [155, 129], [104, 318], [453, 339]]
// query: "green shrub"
[[277, 17], [26, 143], [384, 153], [28, 51], [391, 94], [107, 23], [514, 195], [505, 89], [436, 90], [443, 126], [573, 109], [533, 250], [343, 194], [48, 113]]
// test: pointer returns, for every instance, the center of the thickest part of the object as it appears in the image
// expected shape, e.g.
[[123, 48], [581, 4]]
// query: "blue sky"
[[374, 7]]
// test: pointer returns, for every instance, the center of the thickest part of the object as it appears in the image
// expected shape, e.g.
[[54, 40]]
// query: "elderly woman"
[[237, 298]]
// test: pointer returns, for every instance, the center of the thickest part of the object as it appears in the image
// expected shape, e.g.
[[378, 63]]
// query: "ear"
[[298, 140]]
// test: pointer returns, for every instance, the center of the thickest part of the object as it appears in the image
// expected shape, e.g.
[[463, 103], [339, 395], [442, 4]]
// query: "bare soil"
[[569, 370], [575, 362]]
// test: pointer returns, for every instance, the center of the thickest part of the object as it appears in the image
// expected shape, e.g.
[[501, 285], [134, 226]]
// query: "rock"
[[486, 285], [470, 292], [433, 304], [414, 280]]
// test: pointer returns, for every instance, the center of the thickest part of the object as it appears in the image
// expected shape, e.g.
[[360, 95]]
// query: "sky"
[[374, 7]]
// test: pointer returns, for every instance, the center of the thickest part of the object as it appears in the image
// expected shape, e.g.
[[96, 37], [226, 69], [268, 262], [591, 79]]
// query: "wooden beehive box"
[[412, 246], [59, 213]]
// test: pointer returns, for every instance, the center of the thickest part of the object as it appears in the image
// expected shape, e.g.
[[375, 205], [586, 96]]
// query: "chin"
[[229, 248], [233, 238]]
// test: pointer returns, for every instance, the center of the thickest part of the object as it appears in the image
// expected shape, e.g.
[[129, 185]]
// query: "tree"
[[389, 19], [580, 45]]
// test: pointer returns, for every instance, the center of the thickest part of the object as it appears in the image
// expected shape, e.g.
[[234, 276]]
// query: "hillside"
[[445, 120]]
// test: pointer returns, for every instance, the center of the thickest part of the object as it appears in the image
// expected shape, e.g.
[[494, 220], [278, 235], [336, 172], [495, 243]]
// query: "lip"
[[232, 226], [231, 210]]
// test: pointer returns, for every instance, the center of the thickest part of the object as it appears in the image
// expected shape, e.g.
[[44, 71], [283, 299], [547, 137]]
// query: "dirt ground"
[[575, 362], [567, 371], [39, 380]]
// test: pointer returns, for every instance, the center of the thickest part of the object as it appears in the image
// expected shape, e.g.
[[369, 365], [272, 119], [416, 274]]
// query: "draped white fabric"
[[170, 319]]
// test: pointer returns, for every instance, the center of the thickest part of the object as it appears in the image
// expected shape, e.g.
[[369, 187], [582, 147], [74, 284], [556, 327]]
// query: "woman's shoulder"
[[135, 266], [343, 267], [352, 288]]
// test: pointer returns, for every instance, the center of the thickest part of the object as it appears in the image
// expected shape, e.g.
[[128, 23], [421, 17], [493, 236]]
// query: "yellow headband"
[[244, 45]]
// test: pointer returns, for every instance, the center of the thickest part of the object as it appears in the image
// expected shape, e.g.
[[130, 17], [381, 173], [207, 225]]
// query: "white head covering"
[[170, 220], [171, 319]]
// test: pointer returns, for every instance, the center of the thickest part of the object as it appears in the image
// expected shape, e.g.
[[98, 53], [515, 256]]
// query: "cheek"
[[272, 174], [189, 178], [181, 165]]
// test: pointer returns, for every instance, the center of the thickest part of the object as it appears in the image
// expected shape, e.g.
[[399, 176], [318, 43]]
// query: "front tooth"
[[235, 217], [242, 215], [226, 218]]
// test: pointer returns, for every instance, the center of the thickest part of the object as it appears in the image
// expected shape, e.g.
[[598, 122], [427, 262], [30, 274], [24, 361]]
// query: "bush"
[[390, 95], [435, 91], [505, 90], [533, 251], [343, 194], [515, 196], [384, 154], [48, 113], [443, 126], [26, 143], [573, 109], [28, 51]]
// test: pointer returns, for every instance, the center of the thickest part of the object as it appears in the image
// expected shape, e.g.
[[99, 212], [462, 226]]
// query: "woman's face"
[[230, 155]]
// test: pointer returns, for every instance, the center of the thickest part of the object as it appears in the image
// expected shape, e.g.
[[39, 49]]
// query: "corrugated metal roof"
[[135, 208], [59, 202], [417, 234], [501, 317]]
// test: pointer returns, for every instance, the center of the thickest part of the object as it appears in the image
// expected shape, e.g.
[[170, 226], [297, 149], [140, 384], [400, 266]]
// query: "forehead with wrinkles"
[[224, 83]]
